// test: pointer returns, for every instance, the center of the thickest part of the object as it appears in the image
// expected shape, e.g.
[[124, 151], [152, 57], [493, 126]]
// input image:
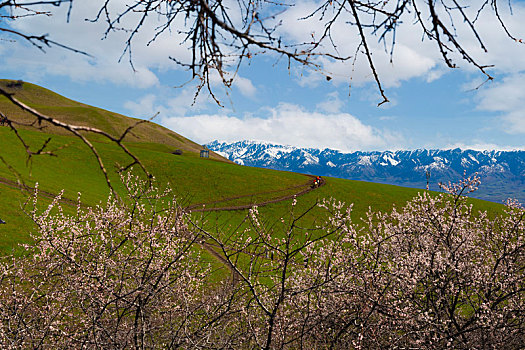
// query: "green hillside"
[[198, 182], [72, 112]]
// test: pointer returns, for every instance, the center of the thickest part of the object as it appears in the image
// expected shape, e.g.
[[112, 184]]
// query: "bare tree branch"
[[221, 36], [76, 131]]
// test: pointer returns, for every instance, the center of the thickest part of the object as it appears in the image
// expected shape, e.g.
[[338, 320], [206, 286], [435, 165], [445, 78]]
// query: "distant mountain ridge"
[[502, 172]]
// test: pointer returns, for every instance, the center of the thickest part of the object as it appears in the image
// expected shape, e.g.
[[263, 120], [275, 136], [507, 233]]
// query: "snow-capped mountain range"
[[502, 172]]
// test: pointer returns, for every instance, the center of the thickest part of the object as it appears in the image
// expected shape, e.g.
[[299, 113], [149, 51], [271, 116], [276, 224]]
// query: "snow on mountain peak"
[[309, 159], [364, 160]]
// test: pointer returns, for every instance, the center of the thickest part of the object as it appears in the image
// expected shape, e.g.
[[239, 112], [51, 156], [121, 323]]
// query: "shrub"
[[434, 274], [114, 276]]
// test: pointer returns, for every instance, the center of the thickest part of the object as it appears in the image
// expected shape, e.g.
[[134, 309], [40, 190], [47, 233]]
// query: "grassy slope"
[[195, 180], [69, 111], [361, 195]]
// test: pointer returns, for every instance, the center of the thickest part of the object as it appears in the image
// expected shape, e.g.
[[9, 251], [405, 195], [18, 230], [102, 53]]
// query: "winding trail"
[[24, 187], [305, 188], [199, 207]]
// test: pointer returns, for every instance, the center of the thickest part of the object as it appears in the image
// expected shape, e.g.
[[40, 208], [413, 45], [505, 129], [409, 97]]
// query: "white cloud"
[[104, 64], [505, 97], [148, 57], [143, 107], [502, 52], [435, 74], [37, 66], [242, 84], [326, 126], [245, 86], [287, 124], [182, 104], [387, 118], [516, 122], [483, 147], [331, 105], [412, 57]]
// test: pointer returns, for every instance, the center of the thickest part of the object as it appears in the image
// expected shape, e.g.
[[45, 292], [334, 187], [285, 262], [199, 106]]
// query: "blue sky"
[[431, 105]]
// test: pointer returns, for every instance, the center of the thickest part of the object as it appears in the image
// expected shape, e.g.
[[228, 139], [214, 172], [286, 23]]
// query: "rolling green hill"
[[197, 181], [72, 112]]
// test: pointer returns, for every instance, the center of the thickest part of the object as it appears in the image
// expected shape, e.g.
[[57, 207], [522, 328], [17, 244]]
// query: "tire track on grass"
[[31, 190], [308, 187]]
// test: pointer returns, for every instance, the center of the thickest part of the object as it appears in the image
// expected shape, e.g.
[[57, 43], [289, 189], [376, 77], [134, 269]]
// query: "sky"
[[431, 105]]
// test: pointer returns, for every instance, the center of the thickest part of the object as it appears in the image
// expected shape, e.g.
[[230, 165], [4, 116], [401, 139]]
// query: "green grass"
[[194, 180], [362, 195], [18, 226]]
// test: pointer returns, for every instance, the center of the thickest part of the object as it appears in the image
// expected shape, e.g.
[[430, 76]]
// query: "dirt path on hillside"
[[227, 199], [308, 187], [200, 207], [31, 190], [209, 248]]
